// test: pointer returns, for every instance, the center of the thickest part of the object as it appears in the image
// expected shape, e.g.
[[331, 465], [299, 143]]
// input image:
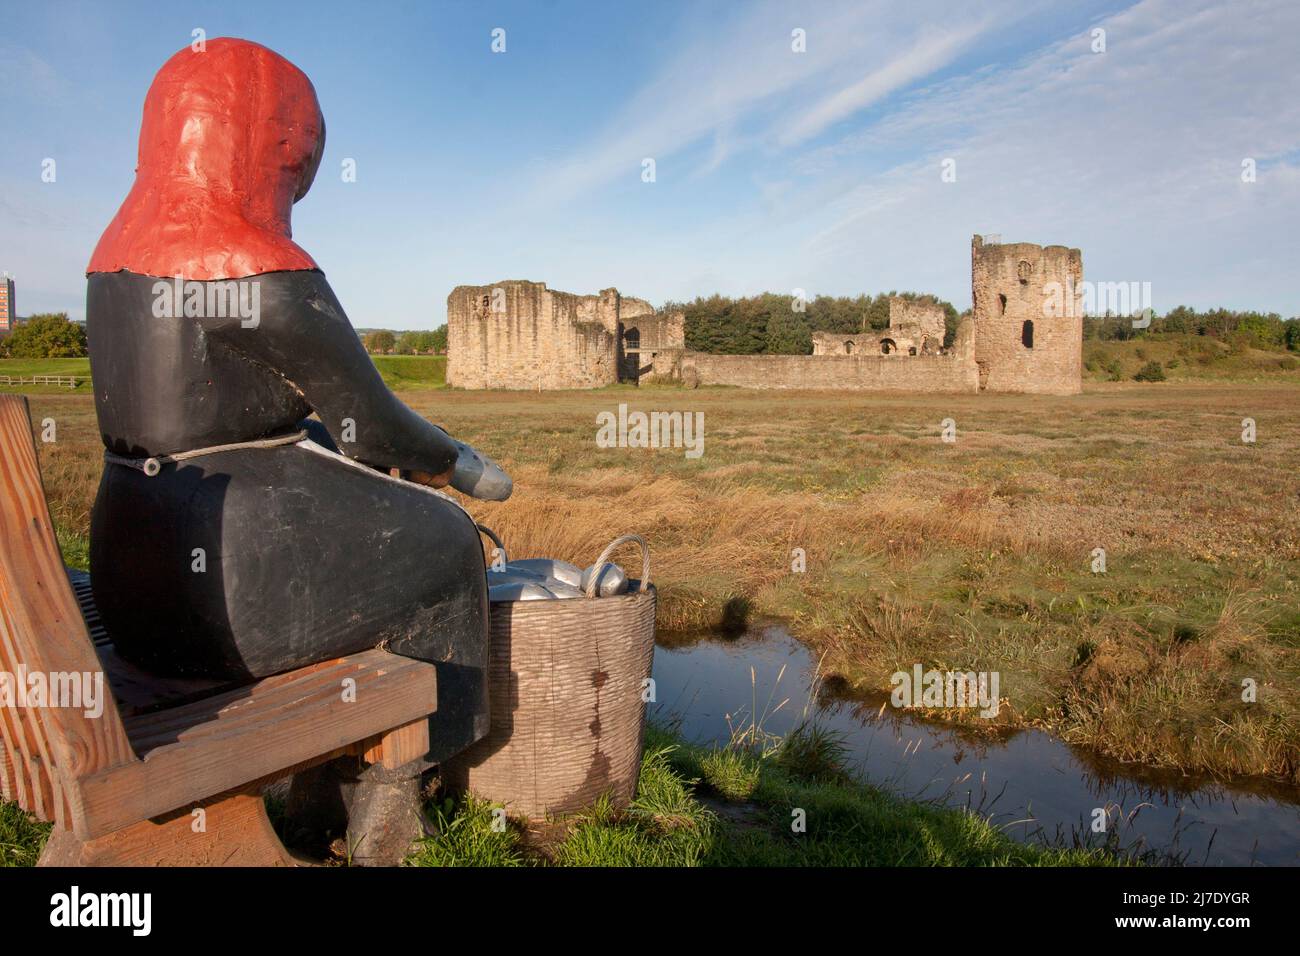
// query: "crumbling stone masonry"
[[518, 334], [652, 344], [1028, 315], [952, 371], [915, 328], [916, 324]]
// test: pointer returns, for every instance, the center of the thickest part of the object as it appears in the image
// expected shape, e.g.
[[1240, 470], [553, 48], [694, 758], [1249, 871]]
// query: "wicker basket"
[[566, 681]]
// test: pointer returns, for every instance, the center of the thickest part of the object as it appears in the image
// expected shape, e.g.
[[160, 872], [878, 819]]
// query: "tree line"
[[1262, 330], [772, 324], [384, 342], [53, 335], [46, 335]]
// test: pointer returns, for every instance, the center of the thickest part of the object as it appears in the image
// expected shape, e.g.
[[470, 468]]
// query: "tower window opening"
[[848, 348], [1002, 303], [1027, 334]]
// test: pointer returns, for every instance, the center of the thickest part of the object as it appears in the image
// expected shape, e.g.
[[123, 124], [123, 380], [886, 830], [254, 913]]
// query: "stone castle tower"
[[1028, 314]]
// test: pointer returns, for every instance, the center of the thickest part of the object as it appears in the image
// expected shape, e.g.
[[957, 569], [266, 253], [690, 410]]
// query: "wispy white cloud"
[[742, 74], [930, 52], [1133, 154]]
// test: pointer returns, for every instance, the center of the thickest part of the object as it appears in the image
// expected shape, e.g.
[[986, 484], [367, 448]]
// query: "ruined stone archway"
[[888, 346]]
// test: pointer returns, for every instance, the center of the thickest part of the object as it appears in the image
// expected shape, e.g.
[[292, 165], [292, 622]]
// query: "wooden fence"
[[63, 381]]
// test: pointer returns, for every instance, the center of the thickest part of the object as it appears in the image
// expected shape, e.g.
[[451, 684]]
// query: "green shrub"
[[1151, 372], [45, 336]]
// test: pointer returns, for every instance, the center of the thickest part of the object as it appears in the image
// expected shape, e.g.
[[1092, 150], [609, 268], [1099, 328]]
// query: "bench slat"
[[41, 629], [281, 726]]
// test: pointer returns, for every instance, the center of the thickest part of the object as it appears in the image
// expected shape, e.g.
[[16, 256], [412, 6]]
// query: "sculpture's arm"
[[293, 324]]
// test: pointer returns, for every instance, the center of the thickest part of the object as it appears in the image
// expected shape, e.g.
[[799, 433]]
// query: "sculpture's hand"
[[477, 475], [474, 474]]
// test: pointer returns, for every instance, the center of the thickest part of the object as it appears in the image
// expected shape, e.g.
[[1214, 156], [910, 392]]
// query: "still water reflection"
[[1029, 783]]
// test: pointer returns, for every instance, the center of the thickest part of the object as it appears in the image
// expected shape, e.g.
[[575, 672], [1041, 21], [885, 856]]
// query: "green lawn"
[[403, 372], [63, 366]]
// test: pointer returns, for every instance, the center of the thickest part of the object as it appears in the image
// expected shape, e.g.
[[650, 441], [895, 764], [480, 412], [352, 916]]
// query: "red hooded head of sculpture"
[[230, 140]]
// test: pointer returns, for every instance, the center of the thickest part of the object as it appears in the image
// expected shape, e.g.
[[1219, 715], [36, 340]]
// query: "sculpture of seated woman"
[[209, 327]]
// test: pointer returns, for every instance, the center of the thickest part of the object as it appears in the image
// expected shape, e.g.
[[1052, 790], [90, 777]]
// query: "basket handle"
[[505, 558], [604, 556]]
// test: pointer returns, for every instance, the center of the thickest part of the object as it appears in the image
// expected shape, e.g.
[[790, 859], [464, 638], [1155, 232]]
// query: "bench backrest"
[[47, 749]]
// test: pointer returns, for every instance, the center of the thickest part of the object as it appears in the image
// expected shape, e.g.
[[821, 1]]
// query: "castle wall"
[[916, 373], [953, 371], [1026, 338], [832, 343], [522, 335]]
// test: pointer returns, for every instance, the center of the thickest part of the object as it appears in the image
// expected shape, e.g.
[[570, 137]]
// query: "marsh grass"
[[730, 806], [700, 806]]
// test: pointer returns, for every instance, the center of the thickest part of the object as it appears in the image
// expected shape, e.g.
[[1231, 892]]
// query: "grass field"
[[975, 555], [79, 367], [406, 372]]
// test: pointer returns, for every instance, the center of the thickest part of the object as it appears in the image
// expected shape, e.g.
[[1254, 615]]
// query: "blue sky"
[[775, 170]]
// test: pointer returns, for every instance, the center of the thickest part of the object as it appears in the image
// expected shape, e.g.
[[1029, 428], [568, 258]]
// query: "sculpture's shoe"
[[376, 811], [384, 815]]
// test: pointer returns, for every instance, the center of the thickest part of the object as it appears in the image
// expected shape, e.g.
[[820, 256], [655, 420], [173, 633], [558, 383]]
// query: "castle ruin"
[[1024, 334], [520, 334], [1028, 311], [916, 327]]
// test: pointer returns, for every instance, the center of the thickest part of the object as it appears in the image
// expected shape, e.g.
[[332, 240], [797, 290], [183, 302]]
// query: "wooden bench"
[[125, 787]]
